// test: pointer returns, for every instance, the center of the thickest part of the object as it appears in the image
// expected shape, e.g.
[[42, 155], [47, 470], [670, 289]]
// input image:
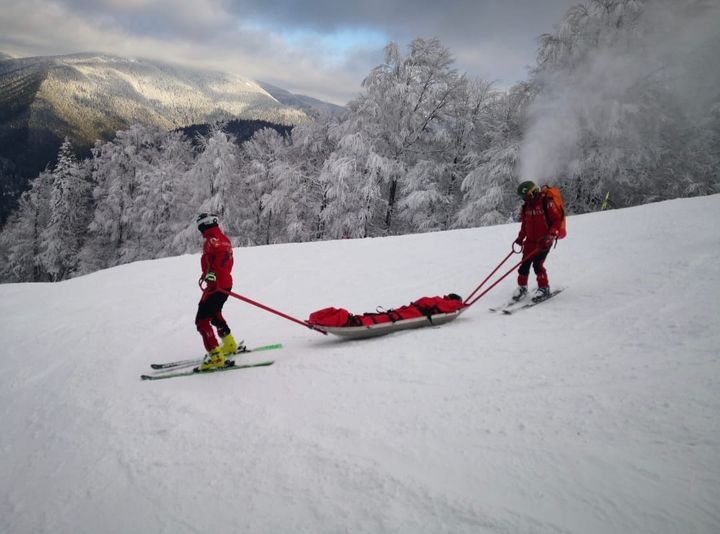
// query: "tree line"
[[610, 110]]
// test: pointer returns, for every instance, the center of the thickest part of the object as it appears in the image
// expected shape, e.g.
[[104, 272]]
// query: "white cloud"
[[323, 49]]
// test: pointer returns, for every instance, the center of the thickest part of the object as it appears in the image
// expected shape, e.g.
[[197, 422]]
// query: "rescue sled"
[[426, 311]]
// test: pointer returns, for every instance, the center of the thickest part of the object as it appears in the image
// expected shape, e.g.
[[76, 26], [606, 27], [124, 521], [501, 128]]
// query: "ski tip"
[[254, 364], [265, 347]]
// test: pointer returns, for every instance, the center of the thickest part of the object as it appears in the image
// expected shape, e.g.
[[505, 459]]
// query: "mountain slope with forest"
[[89, 97]]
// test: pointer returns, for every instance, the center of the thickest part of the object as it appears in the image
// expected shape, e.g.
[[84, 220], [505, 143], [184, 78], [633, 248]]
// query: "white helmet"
[[206, 220]]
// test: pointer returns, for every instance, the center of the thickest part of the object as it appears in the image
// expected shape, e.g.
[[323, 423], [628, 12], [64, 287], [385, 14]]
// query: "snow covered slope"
[[596, 412]]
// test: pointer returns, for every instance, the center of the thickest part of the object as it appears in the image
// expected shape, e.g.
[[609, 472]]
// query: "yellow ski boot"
[[230, 346], [215, 359]]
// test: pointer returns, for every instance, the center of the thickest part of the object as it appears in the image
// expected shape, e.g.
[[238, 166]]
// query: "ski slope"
[[595, 412]]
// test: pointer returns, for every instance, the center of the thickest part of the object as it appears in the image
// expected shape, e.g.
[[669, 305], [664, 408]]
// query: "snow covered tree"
[[70, 208], [400, 112], [119, 169], [20, 239], [215, 172], [433, 186], [612, 112], [303, 184], [354, 174], [490, 186], [260, 214], [212, 185], [161, 204]]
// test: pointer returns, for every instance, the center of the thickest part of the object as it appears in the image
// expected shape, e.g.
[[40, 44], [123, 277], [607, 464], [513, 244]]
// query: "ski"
[[511, 304], [198, 361], [533, 303], [229, 366]]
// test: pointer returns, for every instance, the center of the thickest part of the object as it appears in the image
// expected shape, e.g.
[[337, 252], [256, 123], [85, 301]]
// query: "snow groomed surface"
[[594, 413]]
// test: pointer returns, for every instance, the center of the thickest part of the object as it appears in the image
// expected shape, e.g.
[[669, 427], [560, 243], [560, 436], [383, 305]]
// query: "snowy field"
[[595, 412]]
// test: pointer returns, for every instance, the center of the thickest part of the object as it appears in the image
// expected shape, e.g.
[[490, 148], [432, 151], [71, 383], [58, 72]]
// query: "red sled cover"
[[330, 317], [424, 306], [447, 304]]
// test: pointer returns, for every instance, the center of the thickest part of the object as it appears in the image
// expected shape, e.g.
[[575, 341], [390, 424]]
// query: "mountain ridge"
[[310, 105], [90, 96], [93, 92]]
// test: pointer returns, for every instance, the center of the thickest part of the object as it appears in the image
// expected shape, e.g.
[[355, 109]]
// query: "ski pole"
[[513, 251], [276, 312], [531, 256]]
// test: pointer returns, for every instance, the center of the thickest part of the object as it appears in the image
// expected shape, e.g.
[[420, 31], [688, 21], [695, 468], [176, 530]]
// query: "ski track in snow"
[[595, 412]]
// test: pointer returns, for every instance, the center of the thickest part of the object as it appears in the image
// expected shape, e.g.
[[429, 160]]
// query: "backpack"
[[553, 193]]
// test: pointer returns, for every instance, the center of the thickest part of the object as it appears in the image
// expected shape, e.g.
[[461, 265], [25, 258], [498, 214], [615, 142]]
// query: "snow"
[[596, 412]]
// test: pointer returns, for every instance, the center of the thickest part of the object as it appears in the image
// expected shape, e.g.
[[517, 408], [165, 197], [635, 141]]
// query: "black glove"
[[519, 241]]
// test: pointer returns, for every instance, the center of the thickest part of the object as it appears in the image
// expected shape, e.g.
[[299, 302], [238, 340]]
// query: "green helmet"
[[526, 188]]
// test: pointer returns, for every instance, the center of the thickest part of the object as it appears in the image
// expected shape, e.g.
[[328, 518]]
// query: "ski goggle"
[[528, 192]]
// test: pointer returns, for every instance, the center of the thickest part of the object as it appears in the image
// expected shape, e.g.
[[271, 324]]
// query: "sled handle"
[[512, 251]]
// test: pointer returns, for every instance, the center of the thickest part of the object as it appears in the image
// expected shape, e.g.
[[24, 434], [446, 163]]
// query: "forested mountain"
[[239, 130], [89, 97], [622, 108], [83, 95]]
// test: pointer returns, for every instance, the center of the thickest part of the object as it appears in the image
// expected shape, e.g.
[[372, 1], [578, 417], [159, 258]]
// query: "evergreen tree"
[[20, 240], [212, 184], [70, 207]]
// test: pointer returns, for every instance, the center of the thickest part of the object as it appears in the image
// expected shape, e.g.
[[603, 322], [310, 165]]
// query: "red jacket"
[[539, 218], [217, 257]]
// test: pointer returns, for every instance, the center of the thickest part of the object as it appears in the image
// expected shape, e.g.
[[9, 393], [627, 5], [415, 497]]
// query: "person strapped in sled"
[[216, 264], [541, 222]]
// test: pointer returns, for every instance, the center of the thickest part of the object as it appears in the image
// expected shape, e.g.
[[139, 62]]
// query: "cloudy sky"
[[321, 48]]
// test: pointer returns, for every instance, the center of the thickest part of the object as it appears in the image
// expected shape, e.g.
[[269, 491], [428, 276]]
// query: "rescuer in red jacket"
[[216, 263], [540, 221]]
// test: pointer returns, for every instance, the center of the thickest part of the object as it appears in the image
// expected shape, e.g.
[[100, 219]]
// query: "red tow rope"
[[469, 301], [267, 308]]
